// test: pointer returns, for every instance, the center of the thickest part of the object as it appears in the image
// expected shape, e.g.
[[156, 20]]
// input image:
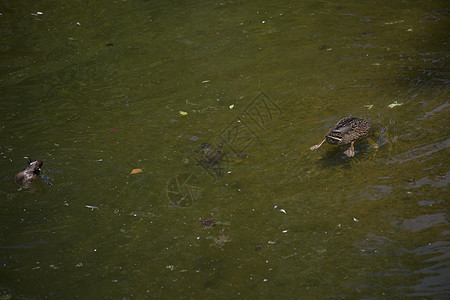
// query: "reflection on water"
[[425, 221], [95, 90]]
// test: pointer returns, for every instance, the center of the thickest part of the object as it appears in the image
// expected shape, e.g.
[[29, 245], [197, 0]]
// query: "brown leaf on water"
[[221, 240], [207, 223], [135, 171]]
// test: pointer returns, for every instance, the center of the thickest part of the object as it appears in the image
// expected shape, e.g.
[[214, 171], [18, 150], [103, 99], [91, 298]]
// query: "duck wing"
[[342, 129]]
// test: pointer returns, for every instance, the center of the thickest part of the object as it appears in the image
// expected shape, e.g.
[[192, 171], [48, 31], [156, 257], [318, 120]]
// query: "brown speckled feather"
[[347, 130], [30, 173]]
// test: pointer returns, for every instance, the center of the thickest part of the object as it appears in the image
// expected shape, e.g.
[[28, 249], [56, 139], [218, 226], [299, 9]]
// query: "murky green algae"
[[95, 90]]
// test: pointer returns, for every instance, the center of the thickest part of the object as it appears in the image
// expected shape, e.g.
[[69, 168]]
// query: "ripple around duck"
[[424, 222], [373, 244], [375, 192], [435, 278], [422, 151]]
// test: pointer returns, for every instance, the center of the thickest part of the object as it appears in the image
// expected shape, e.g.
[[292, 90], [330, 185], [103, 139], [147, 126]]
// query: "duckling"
[[30, 173], [346, 131], [211, 156]]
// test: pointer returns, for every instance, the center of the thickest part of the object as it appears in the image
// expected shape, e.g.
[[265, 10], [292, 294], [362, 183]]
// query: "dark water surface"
[[95, 89]]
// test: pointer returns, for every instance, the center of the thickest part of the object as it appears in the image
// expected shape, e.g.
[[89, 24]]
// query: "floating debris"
[[325, 47], [207, 223], [221, 240], [394, 104], [135, 171], [394, 22], [174, 203], [241, 154], [92, 207]]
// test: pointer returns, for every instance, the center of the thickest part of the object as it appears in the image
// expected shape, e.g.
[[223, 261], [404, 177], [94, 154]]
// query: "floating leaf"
[[369, 106], [134, 171], [392, 105], [183, 113], [208, 223], [394, 22]]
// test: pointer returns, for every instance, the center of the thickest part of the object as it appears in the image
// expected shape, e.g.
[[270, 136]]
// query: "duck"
[[346, 131], [211, 156], [29, 173]]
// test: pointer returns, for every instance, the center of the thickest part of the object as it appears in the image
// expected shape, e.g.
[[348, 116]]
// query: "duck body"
[[346, 131], [29, 173]]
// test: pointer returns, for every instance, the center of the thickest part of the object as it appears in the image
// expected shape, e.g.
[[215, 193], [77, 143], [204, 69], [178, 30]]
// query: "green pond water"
[[96, 89]]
